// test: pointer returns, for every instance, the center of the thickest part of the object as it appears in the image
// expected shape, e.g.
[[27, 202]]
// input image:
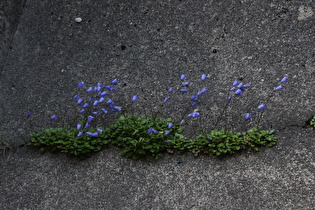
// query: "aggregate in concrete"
[[147, 45]]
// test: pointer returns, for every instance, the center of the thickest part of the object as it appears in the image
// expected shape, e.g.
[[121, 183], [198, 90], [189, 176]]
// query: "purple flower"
[[104, 111], [95, 102], [82, 111], [80, 134], [203, 77], [134, 98], [202, 91], [99, 130], [91, 99], [81, 84], [186, 84], [79, 126], [261, 106], [170, 125], [90, 89], [115, 82], [182, 122], [167, 132], [53, 117], [98, 88], [102, 99], [184, 90], [194, 114], [151, 130], [110, 102], [29, 114], [103, 93], [99, 84], [92, 134], [248, 115], [170, 90], [94, 113], [229, 98], [284, 79], [240, 85], [182, 77], [246, 85], [238, 92], [90, 118], [85, 105], [194, 104], [76, 96], [87, 125], [117, 108], [165, 99], [194, 98], [279, 87], [80, 101], [110, 87], [235, 83], [232, 89]]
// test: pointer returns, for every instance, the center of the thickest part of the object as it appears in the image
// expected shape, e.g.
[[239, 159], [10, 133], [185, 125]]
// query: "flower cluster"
[[263, 106], [93, 106]]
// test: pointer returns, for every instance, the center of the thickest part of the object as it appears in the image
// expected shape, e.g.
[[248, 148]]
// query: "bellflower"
[[186, 84], [117, 108], [110, 102], [194, 104], [80, 101], [102, 99], [235, 83], [90, 118], [202, 91], [81, 84], [110, 87], [184, 90], [167, 132], [284, 79], [203, 77], [94, 113], [182, 122], [87, 125], [279, 87], [194, 114], [240, 85], [80, 134], [194, 98], [238, 92], [229, 98], [170, 125], [115, 82], [82, 111], [29, 114], [166, 99], [90, 89], [104, 111], [233, 88], [79, 126], [99, 130], [103, 93], [99, 84], [92, 134], [248, 115], [95, 102], [76, 96], [261, 106], [182, 77], [85, 105], [170, 90], [53, 117], [246, 85], [134, 98]]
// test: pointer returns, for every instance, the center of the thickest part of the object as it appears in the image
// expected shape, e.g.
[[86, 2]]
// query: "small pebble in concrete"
[[78, 20]]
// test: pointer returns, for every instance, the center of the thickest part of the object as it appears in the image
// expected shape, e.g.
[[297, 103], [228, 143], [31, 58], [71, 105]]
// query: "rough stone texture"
[[10, 12], [147, 45]]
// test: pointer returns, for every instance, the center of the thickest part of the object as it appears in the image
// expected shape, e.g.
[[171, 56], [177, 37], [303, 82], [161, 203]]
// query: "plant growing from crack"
[[147, 136]]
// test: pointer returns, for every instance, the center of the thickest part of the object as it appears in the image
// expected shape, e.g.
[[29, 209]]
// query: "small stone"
[[78, 20]]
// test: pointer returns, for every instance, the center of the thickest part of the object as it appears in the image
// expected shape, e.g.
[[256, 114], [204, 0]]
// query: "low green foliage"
[[66, 140], [130, 133], [312, 122]]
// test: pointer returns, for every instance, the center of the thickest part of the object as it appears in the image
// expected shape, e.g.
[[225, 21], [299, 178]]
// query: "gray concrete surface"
[[147, 45], [10, 12]]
